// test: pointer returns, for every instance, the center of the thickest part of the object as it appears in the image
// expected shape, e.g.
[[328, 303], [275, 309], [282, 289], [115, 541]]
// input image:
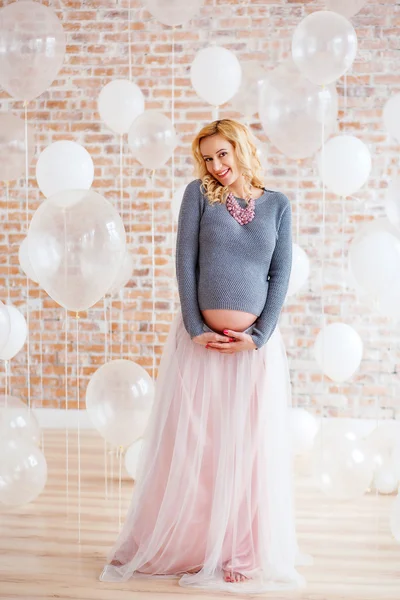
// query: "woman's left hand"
[[238, 342]]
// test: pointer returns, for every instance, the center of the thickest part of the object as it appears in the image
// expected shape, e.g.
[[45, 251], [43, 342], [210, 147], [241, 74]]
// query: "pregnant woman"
[[213, 500]]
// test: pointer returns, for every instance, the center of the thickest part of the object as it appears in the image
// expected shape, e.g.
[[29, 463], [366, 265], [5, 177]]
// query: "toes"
[[230, 577]]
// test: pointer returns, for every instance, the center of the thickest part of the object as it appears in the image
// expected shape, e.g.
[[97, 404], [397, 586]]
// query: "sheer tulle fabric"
[[214, 490]]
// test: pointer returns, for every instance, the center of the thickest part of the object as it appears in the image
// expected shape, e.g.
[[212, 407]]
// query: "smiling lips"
[[223, 174]]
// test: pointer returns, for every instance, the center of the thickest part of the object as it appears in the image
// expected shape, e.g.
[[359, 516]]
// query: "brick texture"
[[98, 51]]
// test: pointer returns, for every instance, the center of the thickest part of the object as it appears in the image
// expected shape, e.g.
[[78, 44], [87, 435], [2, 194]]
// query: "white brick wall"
[[97, 35]]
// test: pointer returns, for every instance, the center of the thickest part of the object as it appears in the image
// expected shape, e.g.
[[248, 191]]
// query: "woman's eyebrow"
[[207, 156]]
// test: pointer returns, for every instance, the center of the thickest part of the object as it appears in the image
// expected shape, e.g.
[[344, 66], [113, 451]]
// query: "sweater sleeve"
[[187, 251], [279, 274]]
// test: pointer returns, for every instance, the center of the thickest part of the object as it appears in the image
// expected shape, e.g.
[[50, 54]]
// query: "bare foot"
[[232, 577], [193, 571], [116, 563]]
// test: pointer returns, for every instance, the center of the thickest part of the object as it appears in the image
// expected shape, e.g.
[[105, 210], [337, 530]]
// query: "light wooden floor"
[[355, 555]]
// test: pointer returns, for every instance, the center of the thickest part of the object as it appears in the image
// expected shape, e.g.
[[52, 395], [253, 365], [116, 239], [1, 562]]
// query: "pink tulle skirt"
[[214, 489]]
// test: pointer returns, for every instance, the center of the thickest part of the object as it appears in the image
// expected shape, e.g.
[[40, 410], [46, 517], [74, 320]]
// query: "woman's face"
[[220, 158]]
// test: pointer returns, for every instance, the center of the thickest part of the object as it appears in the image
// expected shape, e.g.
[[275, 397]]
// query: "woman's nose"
[[217, 165]]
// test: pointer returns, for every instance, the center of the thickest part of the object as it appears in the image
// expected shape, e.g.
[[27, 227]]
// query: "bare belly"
[[236, 320]]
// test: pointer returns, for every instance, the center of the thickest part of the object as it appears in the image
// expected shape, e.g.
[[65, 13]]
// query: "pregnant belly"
[[236, 320]]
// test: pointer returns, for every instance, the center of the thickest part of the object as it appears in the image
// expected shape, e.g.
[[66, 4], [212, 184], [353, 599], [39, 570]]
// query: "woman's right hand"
[[209, 336]]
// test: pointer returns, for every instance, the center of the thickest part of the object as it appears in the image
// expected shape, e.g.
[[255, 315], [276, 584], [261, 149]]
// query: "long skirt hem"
[[214, 486]]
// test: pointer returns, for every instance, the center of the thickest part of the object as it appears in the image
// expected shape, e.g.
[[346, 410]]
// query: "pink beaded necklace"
[[240, 214]]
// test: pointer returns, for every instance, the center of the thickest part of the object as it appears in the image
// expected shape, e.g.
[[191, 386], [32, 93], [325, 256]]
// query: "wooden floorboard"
[[355, 555]]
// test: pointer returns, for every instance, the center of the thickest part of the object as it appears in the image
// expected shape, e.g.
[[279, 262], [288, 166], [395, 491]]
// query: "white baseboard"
[[55, 418]]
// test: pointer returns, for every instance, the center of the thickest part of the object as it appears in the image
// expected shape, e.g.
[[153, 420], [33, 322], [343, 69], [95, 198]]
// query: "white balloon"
[[385, 480], [391, 118], [32, 42], [5, 326], [294, 111], [16, 420], [62, 166], [375, 261], [384, 436], [152, 139], [395, 455], [177, 201], [25, 264], [23, 471], [324, 46], [338, 351], [300, 270], [18, 334], [132, 456], [173, 12], [124, 274], [246, 100], [382, 443], [345, 165], [76, 243], [118, 399], [393, 202], [377, 295], [342, 462], [347, 8], [303, 427], [215, 74], [120, 102], [262, 150]]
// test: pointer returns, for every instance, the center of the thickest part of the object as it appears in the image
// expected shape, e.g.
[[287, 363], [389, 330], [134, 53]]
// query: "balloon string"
[[105, 329], [105, 360], [26, 168], [8, 225], [342, 245], [153, 270], [173, 79], [323, 243], [28, 352], [6, 391], [121, 322], [120, 488], [173, 177], [131, 241], [121, 175], [105, 470], [112, 474], [377, 411], [40, 316], [110, 347], [130, 40], [66, 411], [298, 204], [79, 427], [121, 292]]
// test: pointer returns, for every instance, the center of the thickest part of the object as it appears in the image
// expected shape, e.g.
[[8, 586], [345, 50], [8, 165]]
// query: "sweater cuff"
[[260, 339], [196, 330]]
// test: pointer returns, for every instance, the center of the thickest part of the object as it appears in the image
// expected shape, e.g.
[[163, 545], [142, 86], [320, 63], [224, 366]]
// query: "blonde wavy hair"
[[246, 153]]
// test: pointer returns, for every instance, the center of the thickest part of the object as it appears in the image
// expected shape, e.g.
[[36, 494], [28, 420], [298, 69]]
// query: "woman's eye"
[[207, 159], [223, 154]]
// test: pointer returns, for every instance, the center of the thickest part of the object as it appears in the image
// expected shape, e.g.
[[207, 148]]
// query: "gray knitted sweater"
[[223, 265]]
